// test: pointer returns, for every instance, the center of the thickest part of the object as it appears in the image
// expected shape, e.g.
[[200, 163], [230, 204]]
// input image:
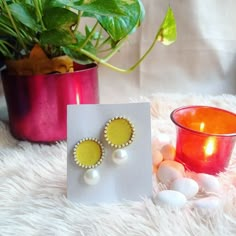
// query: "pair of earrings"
[[89, 152]]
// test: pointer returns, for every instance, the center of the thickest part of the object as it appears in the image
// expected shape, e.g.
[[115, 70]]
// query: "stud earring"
[[119, 132], [88, 154]]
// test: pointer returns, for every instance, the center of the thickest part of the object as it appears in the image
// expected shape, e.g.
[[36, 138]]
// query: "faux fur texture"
[[33, 189]]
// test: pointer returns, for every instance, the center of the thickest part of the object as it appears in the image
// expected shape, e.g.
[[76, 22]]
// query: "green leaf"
[[24, 13], [80, 41], [168, 33], [59, 18], [78, 57], [95, 36], [73, 51], [59, 30], [142, 12], [142, 16], [119, 27], [91, 6], [40, 4], [57, 37], [4, 50], [5, 27], [56, 3], [99, 7]]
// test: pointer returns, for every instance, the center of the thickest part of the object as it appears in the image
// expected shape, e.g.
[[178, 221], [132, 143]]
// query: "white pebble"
[[208, 183], [168, 171], [170, 198], [168, 151], [208, 203], [186, 186]]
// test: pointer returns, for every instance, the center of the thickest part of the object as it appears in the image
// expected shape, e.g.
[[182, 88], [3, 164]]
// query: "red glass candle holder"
[[205, 138]]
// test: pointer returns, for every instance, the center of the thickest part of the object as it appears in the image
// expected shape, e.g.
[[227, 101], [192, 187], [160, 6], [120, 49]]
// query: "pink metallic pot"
[[37, 105]]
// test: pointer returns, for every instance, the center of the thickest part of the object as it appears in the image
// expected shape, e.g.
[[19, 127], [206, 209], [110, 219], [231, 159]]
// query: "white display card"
[[131, 180]]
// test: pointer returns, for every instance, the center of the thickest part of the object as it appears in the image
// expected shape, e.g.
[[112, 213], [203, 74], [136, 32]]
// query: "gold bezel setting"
[[124, 144], [88, 166]]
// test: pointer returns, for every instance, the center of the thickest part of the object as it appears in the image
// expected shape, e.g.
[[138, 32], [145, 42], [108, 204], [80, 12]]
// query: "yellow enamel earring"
[[119, 132], [88, 154]]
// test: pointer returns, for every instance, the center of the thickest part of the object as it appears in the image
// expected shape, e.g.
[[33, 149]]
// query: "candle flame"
[[77, 96], [202, 126], [210, 146], [77, 99]]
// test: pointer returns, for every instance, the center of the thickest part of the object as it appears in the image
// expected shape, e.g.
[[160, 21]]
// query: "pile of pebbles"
[[199, 190]]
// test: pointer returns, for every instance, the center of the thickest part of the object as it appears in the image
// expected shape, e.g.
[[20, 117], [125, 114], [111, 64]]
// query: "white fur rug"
[[33, 190]]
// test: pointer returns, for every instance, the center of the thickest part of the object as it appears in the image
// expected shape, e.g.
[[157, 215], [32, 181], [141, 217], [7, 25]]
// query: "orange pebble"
[[154, 169], [168, 152], [157, 157]]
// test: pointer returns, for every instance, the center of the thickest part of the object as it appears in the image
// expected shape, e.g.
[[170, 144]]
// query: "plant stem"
[[8, 30], [38, 8], [4, 50], [89, 36], [104, 42], [130, 69], [78, 21], [8, 44], [14, 26], [99, 37], [115, 50], [105, 50], [99, 60]]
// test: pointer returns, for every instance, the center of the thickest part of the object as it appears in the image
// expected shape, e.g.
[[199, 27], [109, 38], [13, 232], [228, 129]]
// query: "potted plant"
[[51, 50]]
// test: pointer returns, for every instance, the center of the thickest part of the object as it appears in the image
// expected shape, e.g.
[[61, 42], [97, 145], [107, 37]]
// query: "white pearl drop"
[[119, 156], [91, 177]]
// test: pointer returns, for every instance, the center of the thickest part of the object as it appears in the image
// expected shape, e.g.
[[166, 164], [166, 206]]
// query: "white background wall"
[[201, 61]]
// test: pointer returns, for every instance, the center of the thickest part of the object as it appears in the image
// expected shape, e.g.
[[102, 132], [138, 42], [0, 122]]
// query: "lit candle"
[[205, 137], [209, 148], [202, 126]]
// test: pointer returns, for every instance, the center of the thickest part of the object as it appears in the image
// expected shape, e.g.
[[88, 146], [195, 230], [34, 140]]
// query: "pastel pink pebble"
[[168, 152], [157, 157], [168, 171]]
